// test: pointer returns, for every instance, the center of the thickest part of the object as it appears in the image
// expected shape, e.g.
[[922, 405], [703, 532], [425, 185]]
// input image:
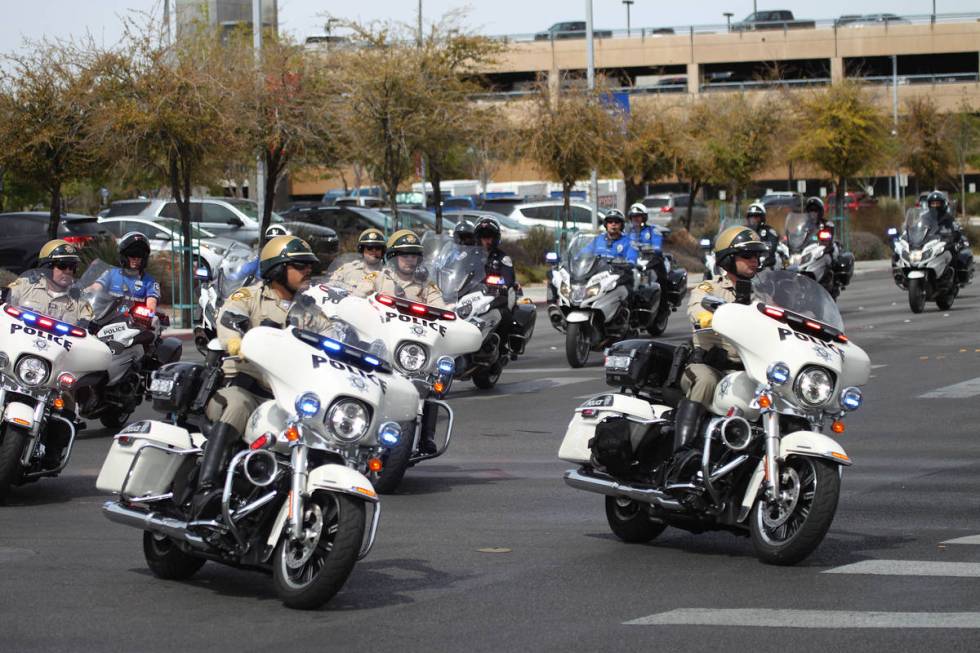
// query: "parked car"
[[855, 20], [510, 228], [458, 202], [574, 29], [771, 19], [420, 220], [25, 232], [783, 199], [164, 234], [221, 216], [667, 206], [853, 201], [345, 221], [548, 214], [368, 201]]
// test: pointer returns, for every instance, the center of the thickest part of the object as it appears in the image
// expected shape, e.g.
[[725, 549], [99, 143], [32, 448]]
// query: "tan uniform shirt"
[[39, 297], [352, 273], [706, 338], [387, 282], [257, 302]]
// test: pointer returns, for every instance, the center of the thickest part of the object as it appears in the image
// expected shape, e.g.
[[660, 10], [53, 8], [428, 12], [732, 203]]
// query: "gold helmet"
[[737, 240], [57, 251], [404, 241], [372, 236], [281, 250]]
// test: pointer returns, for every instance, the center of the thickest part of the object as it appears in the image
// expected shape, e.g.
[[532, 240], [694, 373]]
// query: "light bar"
[[45, 323], [413, 308]]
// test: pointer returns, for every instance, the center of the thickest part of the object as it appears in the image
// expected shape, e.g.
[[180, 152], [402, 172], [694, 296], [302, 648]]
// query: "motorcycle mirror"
[[705, 243], [892, 231], [711, 302], [551, 257], [201, 274]]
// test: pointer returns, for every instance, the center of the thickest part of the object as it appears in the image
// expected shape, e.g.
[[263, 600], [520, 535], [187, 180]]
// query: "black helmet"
[[736, 240], [404, 241], [756, 210], [464, 233], [487, 227], [814, 205], [281, 250], [938, 202], [57, 251], [134, 244], [371, 237]]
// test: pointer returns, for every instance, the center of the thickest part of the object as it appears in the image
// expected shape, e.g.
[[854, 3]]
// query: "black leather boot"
[[687, 423], [207, 497]]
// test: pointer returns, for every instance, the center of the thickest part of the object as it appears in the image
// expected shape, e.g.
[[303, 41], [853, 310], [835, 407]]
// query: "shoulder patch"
[[241, 293], [706, 287]]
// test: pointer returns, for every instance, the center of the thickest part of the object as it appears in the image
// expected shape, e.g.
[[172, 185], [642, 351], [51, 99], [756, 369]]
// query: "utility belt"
[[716, 357], [249, 384]]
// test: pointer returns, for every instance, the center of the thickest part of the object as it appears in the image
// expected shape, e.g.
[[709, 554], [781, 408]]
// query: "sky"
[[63, 19]]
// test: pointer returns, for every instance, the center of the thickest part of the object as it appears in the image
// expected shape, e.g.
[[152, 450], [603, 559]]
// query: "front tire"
[[945, 301], [11, 449], [114, 417], [166, 560], [395, 465], [658, 324], [630, 520], [487, 377], [917, 295], [307, 574], [788, 533], [577, 344]]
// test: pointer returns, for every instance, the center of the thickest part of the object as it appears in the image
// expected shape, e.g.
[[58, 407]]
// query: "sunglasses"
[[301, 267], [374, 248], [748, 255], [66, 266]]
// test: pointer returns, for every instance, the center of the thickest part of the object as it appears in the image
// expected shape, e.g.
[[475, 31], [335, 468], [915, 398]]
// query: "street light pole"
[[898, 174], [728, 19], [260, 159], [628, 3], [590, 52]]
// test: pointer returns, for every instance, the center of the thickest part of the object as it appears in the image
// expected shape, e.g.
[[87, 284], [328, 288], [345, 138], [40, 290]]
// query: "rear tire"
[[658, 325], [11, 449], [307, 578], [630, 520], [917, 295], [577, 344], [945, 301], [487, 377], [114, 418], [166, 560]]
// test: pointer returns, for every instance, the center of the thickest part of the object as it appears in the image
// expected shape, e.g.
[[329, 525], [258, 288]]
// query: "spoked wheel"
[[917, 295], [166, 560], [12, 443], [787, 531], [945, 301], [308, 573], [577, 344], [630, 520]]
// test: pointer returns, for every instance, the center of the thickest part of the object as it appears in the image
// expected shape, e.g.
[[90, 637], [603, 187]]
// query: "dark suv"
[[25, 233]]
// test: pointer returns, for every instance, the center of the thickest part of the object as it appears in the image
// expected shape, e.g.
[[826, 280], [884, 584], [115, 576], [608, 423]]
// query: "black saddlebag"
[[844, 268], [184, 388], [621, 446], [639, 363]]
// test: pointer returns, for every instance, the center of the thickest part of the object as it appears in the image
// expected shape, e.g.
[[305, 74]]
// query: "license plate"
[[161, 386]]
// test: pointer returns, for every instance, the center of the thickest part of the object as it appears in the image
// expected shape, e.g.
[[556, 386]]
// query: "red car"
[[853, 201]]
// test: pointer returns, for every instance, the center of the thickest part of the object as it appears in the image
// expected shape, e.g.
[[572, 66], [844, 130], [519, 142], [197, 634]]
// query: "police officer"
[[403, 274], [371, 246], [755, 219], [285, 266], [131, 279], [641, 233], [48, 289], [950, 231], [464, 233], [613, 243], [487, 234], [737, 252]]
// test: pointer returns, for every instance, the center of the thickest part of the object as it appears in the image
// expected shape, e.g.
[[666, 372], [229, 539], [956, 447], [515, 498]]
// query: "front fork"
[[299, 460], [771, 425]]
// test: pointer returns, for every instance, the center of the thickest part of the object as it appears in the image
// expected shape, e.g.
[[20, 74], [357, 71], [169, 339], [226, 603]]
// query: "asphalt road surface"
[[485, 549]]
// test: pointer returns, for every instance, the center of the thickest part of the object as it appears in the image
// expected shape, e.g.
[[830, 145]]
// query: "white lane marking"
[[910, 568], [961, 390], [552, 370], [808, 619], [969, 539], [874, 367]]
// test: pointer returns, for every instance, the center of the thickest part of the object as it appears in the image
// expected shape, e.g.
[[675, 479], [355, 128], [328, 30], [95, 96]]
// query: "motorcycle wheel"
[[658, 324], [11, 449], [166, 560], [487, 377], [395, 465], [786, 534], [114, 418], [577, 344], [945, 301], [630, 520], [917, 295], [309, 573]]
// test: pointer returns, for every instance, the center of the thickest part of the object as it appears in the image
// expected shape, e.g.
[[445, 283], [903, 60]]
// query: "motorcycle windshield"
[[459, 271], [52, 293], [306, 314], [580, 257], [799, 229], [106, 299], [799, 294], [920, 227]]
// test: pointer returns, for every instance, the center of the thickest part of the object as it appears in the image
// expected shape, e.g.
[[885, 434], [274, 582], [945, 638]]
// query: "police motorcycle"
[[760, 463], [923, 262], [594, 304], [478, 295], [812, 252], [672, 288], [231, 276], [295, 501]]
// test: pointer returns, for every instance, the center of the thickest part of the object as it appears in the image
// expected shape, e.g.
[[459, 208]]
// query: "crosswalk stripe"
[[961, 390], [910, 568], [808, 619], [969, 539]]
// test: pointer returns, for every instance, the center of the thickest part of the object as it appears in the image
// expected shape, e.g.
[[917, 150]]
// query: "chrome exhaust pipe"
[[149, 521], [582, 481]]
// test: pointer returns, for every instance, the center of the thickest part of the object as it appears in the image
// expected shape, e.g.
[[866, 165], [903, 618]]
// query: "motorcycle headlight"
[[307, 404], [389, 434], [464, 311], [348, 420], [32, 370], [915, 256], [578, 293], [411, 356], [592, 291], [563, 290], [814, 386]]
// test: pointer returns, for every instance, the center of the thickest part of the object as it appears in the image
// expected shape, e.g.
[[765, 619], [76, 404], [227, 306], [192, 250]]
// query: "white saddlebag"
[[150, 469]]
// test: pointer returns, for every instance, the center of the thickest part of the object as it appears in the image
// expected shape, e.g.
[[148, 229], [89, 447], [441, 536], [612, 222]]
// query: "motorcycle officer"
[[131, 279], [464, 233], [487, 233], [48, 289], [285, 266], [403, 275], [613, 243], [640, 232], [737, 251], [371, 247], [755, 219], [949, 228]]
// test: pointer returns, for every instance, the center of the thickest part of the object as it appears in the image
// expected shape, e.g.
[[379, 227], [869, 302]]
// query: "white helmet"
[[756, 209], [638, 209]]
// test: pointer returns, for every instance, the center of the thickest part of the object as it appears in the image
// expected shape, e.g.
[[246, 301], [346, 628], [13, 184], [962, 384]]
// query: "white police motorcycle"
[[761, 461]]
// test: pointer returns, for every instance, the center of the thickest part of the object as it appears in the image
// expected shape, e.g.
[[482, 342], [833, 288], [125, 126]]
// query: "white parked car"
[[164, 234], [548, 214]]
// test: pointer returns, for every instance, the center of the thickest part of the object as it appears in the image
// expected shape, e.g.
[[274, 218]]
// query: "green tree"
[[964, 137], [692, 157], [926, 148], [841, 131], [646, 149]]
